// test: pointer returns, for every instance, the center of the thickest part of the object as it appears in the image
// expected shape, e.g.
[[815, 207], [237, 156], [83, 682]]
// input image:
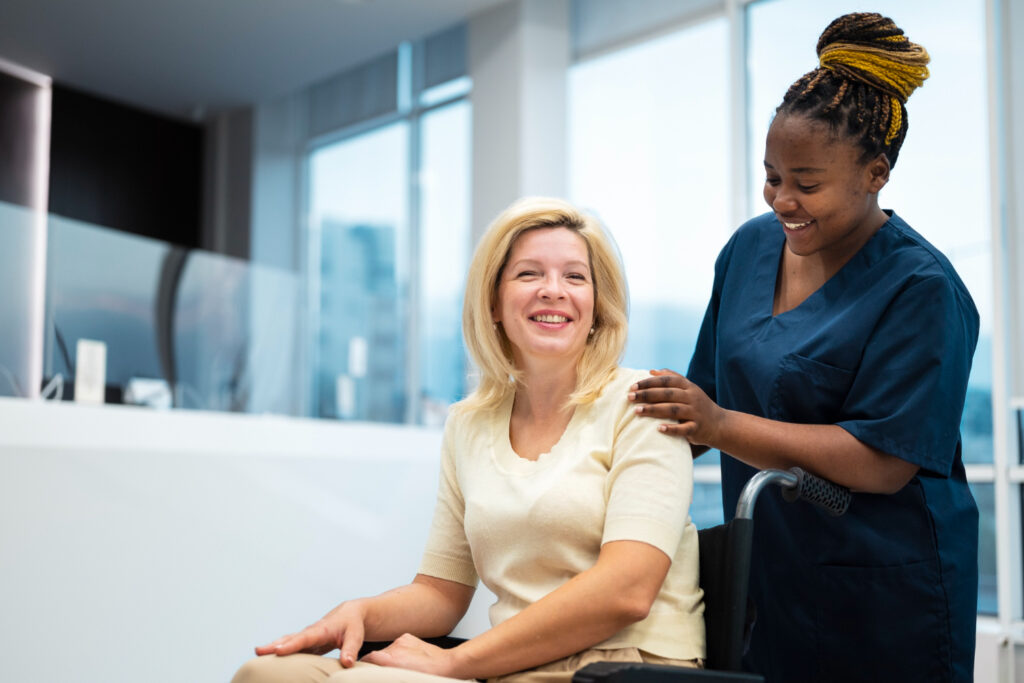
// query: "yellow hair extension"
[[895, 121], [898, 73]]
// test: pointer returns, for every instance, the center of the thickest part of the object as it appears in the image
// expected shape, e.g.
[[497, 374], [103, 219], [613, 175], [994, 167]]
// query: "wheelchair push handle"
[[796, 484], [832, 498]]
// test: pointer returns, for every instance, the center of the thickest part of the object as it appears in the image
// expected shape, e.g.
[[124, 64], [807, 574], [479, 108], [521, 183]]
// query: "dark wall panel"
[[125, 168], [17, 138]]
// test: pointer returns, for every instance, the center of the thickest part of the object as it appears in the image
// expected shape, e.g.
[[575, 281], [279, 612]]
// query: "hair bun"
[[870, 48]]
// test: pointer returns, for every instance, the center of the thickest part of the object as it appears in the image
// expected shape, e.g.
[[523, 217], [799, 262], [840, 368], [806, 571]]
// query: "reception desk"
[[141, 545]]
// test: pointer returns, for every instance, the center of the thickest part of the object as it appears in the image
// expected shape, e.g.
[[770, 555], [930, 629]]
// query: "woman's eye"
[[771, 181], [527, 273], [807, 188], [578, 276]]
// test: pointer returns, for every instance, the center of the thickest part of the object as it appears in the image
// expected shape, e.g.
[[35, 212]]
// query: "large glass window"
[[389, 247], [945, 154], [653, 166], [443, 257], [358, 214]]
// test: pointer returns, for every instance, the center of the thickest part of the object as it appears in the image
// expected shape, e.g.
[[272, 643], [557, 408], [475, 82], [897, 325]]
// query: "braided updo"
[[867, 70]]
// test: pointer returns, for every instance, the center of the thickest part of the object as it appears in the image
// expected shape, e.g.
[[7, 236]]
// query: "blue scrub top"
[[887, 592]]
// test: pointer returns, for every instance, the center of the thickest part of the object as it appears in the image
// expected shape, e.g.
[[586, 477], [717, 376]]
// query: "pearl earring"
[[591, 330]]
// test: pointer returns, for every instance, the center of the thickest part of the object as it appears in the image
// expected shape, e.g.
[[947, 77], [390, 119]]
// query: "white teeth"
[[551, 318], [796, 226]]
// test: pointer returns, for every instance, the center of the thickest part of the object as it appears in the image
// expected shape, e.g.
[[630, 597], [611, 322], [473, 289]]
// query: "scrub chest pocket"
[[808, 391]]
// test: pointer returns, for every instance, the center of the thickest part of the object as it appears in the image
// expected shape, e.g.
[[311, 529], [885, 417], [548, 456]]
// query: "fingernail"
[[632, 395], [662, 428], [634, 387], [638, 409]]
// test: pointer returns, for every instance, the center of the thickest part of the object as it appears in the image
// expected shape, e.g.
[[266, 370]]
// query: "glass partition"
[[17, 259], [182, 328]]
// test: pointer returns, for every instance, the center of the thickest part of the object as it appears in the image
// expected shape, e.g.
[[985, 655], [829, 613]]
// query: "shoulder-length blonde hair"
[[488, 346]]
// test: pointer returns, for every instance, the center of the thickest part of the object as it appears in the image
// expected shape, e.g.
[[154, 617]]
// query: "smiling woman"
[[839, 340], [546, 300], [568, 506]]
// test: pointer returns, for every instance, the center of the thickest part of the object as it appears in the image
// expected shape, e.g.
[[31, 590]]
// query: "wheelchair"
[[725, 552], [724, 575]]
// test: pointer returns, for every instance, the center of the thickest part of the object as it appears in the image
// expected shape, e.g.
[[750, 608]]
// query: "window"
[[653, 167], [951, 106], [659, 178], [359, 213], [444, 257], [389, 237]]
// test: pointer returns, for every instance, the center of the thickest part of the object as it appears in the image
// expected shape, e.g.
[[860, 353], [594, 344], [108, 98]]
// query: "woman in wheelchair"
[[837, 339], [569, 507]]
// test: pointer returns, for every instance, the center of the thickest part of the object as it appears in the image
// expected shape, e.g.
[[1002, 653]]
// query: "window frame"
[[410, 109]]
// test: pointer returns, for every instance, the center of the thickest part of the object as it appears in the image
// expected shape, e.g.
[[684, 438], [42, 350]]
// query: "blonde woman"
[[568, 506]]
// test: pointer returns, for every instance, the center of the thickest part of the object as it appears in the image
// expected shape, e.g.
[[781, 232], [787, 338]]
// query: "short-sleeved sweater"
[[526, 527]]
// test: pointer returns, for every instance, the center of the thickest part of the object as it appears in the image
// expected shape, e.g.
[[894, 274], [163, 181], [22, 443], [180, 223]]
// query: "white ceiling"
[[187, 58]]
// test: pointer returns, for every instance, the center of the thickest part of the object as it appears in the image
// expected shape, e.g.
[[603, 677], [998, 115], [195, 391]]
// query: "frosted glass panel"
[[201, 330], [17, 256]]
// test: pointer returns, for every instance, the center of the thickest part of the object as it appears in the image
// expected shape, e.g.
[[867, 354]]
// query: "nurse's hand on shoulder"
[[340, 628], [669, 395]]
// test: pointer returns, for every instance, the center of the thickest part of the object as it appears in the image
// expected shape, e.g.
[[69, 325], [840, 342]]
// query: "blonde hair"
[[488, 346]]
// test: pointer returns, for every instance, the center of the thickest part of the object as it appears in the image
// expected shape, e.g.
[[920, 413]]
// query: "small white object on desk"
[[90, 371]]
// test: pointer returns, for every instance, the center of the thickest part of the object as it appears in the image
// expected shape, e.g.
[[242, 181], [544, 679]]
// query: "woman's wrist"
[[459, 662]]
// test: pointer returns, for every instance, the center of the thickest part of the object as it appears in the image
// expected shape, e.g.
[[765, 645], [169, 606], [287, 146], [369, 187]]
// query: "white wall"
[[158, 546]]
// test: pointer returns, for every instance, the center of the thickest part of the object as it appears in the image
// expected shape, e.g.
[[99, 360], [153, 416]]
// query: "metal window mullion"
[[736, 13], [1007, 491], [313, 253], [980, 474], [707, 474], [410, 81]]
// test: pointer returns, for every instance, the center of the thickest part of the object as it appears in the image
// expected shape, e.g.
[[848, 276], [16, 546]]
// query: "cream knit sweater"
[[526, 527]]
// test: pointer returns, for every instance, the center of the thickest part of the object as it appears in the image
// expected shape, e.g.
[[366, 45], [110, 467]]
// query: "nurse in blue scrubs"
[[839, 340]]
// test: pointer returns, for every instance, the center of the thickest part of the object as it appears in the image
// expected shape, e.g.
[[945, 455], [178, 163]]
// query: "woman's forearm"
[[591, 607], [826, 450], [427, 607]]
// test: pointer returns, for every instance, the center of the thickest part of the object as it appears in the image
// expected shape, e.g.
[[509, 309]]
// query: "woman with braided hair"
[[839, 340]]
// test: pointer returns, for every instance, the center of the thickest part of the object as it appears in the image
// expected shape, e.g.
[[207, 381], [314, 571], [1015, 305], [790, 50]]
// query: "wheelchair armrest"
[[441, 641], [631, 672]]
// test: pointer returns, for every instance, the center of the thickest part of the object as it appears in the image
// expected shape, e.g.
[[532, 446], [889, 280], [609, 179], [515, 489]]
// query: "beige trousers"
[[303, 668]]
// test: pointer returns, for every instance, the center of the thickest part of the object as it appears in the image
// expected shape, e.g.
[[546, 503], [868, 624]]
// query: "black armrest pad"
[[441, 641], [629, 672]]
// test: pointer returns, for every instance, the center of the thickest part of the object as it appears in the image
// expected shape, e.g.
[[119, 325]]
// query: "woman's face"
[[546, 296], [823, 195]]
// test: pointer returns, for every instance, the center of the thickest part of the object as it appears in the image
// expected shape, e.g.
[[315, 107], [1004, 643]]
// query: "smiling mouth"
[[547, 318], [797, 226]]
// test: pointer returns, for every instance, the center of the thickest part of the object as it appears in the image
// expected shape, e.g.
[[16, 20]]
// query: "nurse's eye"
[[526, 274], [807, 188], [577, 276], [771, 181]]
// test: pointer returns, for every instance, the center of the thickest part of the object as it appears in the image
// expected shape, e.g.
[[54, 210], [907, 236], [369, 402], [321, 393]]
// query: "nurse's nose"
[[784, 202]]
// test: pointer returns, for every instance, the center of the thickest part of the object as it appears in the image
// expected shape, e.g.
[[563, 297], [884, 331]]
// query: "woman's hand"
[[409, 652], [342, 628], [669, 395]]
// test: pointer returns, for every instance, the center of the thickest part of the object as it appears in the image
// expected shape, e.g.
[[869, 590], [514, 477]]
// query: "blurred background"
[[265, 209]]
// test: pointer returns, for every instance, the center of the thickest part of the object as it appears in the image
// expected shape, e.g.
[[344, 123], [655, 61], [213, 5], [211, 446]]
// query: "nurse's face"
[[545, 299], [824, 196]]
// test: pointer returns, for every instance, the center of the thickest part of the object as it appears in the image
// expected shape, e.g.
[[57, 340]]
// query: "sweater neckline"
[[511, 462]]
